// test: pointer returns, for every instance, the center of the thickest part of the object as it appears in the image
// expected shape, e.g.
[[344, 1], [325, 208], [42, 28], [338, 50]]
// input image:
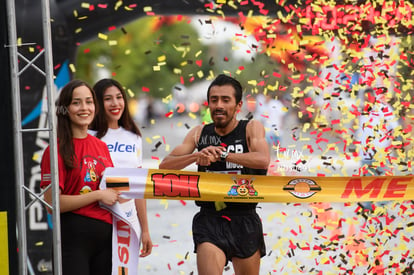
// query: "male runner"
[[228, 231]]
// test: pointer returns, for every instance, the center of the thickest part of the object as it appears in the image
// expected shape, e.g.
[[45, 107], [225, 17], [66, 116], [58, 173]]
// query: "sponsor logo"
[[207, 140], [302, 188], [393, 188], [118, 183], [289, 160], [90, 175], [124, 242], [121, 147], [128, 213], [176, 185], [242, 187]]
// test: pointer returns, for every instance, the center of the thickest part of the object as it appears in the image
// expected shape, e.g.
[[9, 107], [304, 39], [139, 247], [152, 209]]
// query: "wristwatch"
[[224, 155]]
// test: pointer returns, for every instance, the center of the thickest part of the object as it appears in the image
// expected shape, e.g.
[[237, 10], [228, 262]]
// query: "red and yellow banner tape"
[[186, 185]]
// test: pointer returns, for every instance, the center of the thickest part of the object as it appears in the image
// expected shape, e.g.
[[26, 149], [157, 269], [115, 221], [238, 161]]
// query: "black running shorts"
[[238, 233]]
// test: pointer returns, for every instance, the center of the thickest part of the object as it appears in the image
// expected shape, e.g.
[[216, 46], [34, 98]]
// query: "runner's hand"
[[209, 155]]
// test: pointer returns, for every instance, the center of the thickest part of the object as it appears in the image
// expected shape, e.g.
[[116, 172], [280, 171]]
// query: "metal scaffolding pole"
[[47, 38], [18, 146], [18, 141]]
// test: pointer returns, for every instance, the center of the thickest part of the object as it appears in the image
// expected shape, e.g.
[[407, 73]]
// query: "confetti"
[[318, 58]]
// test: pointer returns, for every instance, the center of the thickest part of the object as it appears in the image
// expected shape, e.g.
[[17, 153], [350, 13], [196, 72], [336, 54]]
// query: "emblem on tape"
[[302, 188]]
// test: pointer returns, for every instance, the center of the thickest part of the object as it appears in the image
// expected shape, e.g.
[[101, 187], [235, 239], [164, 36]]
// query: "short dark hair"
[[222, 80]]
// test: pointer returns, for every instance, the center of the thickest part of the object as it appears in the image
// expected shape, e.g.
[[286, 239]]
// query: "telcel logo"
[[121, 147], [302, 188]]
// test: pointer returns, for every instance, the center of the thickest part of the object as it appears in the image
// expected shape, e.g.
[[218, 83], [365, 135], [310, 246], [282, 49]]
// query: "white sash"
[[126, 235]]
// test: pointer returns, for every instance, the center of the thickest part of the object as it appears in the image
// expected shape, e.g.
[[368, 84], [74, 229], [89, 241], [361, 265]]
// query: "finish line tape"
[[137, 183]]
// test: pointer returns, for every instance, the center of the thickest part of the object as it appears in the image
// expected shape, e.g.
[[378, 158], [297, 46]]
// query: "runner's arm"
[[183, 155], [258, 156]]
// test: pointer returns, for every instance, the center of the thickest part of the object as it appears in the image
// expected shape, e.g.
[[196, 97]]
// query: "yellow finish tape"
[[186, 185]]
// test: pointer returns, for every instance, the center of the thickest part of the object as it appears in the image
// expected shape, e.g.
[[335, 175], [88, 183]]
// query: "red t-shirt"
[[92, 159]]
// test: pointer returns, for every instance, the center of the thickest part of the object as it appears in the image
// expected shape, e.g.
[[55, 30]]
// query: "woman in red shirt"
[[86, 228]]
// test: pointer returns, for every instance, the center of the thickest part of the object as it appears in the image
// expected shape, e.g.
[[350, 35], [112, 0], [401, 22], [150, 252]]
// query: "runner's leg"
[[247, 266], [210, 259]]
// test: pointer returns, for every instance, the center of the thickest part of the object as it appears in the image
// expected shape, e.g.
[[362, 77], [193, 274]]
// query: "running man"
[[228, 231]]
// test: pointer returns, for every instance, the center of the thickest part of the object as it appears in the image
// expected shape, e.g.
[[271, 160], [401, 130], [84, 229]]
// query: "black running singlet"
[[235, 142]]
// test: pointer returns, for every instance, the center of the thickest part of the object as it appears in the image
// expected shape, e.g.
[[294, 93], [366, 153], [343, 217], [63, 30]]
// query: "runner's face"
[[114, 105], [82, 108], [222, 105]]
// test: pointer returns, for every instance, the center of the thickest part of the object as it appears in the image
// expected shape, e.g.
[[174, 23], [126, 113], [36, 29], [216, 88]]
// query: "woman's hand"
[[109, 196], [146, 244]]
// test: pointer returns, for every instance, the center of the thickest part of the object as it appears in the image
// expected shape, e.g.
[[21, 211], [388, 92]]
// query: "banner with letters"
[[188, 185]]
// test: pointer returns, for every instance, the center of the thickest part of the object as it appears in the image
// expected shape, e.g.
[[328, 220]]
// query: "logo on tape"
[[242, 187], [302, 188]]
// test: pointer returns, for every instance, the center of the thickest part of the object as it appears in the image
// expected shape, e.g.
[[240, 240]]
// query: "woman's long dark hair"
[[64, 130], [100, 123]]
